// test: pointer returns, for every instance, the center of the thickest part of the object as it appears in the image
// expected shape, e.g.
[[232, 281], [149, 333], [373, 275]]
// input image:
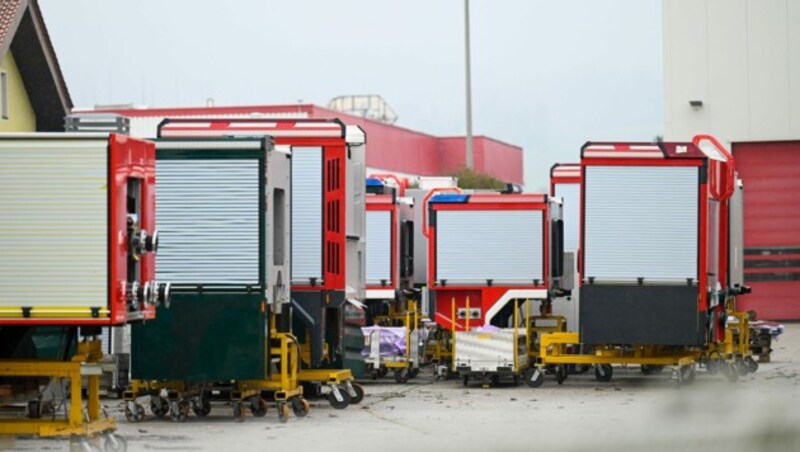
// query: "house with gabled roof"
[[33, 94]]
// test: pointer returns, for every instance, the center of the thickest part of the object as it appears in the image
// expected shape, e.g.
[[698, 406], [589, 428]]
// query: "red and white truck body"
[[653, 259], [77, 229], [328, 212], [389, 232], [486, 250]]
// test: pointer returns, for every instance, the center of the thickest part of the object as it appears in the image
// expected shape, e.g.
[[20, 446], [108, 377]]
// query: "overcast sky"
[[547, 75]]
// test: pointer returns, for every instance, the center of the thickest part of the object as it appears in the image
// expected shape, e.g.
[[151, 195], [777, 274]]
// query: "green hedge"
[[471, 179]]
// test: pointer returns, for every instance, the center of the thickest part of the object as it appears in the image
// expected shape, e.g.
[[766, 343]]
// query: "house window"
[[4, 93]]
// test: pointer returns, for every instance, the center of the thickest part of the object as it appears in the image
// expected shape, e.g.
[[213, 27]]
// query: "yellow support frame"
[[329, 376], [552, 350], [88, 353], [531, 328], [440, 350], [740, 348], [285, 384]]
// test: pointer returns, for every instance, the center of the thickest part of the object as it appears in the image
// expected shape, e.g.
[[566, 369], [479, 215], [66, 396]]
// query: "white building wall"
[[741, 58]]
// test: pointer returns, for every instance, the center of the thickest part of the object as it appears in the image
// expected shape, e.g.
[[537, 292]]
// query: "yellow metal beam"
[[61, 312], [75, 423], [334, 376]]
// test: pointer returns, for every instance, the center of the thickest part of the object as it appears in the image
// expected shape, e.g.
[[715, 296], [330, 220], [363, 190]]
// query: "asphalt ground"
[[633, 412]]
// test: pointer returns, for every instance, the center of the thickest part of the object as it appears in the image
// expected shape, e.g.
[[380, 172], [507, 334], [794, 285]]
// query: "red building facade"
[[389, 148]]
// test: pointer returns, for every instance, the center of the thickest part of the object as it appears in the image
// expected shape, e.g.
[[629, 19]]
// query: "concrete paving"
[[633, 412]]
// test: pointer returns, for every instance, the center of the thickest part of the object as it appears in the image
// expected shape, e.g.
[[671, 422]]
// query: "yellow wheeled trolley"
[[732, 356], [80, 422], [338, 386], [660, 263], [342, 392], [403, 315], [491, 354], [282, 389]]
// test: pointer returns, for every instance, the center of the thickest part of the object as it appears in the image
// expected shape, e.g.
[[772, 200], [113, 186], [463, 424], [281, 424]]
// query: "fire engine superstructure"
[[494, 260], [328, 172], [392, 323]]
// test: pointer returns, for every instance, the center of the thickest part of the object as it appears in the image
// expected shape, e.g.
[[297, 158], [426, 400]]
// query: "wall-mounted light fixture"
[[696, 104]]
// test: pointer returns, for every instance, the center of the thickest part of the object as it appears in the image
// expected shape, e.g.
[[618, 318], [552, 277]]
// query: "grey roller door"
[[208, 218], [504, 246], [54, 222], [306, 214], [379, 247], [641, 222]]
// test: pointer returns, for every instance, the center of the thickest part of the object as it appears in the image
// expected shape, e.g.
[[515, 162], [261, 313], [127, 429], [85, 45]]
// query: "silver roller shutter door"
[[208, 218], [504, 246], [571, 214], [641, 222], [54, 223], [379, 246], [306, 214]]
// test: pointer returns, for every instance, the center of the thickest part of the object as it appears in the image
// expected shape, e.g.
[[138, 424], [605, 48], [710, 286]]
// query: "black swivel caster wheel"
[[201, 407], [239, 412], [258, 406], [359, 390], [561, 374], [283, 412], [114, 443], [179, 411], [340, 399], [752, 365], [135, 413], [686, 375], [534, 377], [731, 372], [401, 376], [300, 406], [159, 406], [603, 372]]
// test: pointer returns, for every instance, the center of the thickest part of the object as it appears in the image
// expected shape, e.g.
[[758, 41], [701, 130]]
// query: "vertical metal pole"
[[408, 338], [453, 334], [466, 328], [75, 395], [528, 328], [516, 336], [470, 156]]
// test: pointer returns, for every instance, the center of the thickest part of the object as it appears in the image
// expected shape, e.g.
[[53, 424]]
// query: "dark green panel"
[[202, 337], [353, 344]]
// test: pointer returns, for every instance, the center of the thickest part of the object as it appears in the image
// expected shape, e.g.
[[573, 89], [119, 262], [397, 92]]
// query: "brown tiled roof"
[[10, 14]]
